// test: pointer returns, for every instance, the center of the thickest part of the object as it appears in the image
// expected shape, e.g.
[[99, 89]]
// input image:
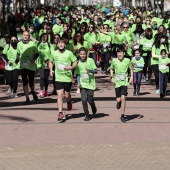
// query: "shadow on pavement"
[[21, 119], [99, 115], [135, 116]]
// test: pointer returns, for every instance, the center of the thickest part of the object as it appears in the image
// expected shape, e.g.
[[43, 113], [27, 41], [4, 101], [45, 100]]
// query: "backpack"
[[2, 65]]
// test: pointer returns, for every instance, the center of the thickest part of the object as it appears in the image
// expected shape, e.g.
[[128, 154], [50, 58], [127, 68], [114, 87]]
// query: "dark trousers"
[[156, 74], [147, 64], [87, 96], [12, 79], [105, 60], [163, 80], [94, 57], [137, 76], [27, 76], [44, 78]]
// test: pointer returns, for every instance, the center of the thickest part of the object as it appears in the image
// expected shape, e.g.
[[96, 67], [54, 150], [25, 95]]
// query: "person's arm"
[[50, 64], [131, 77], [74, 65], [153, 53]]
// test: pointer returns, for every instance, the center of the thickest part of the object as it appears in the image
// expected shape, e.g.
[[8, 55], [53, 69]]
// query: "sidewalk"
[[32, 138]]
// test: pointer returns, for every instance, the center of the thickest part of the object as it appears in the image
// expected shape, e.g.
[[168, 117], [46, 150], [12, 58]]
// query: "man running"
[[120, 67], [64, 61]]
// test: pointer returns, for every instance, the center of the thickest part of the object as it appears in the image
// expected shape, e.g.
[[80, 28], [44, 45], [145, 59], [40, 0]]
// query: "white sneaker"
[[9, 91], [15, 95], [157, 91]]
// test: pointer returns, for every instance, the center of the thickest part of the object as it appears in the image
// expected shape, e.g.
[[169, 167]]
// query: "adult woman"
[[91, 37], [156, 51], [12, 70], [43, 47]]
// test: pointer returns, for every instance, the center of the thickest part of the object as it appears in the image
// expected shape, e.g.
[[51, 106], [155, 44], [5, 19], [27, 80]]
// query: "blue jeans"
[[163, 80], [137, 76]]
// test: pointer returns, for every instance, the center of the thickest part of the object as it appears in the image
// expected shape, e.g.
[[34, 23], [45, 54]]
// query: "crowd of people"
[[126, 44]]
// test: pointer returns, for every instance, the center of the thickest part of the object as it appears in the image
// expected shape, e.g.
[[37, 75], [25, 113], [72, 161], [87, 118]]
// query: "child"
[[85, 71], [138, 64], [164, 61]]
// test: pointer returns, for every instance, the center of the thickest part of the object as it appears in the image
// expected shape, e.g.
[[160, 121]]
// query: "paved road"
[[32, 139]]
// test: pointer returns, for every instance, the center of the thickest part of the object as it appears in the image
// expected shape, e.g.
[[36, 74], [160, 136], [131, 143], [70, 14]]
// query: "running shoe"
[[138, 93], [94, 110], [45, 93], [69, 106], [9, 91], [144, 79], [61, 116], [118, 105], [157, 91], [134, 93], [15, 95], [123, 119], [87, 118], [35, 97], [27, 102], [41, 94], [162, 95]]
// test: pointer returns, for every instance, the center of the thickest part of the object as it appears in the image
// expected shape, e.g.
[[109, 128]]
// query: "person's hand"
[[112, 80], [131, 80], [10, 63], [87, 70], [67, 68], [51, 73]]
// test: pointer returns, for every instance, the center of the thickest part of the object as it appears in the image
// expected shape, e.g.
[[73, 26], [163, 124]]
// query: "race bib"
[[121, 77], [61, 66], [148, 45], [162, 67], [106, 44], [25, 64], [85, 76], [8, 67]]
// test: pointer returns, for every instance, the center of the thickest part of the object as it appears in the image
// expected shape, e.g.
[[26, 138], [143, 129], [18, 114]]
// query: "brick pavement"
[[31, 137]]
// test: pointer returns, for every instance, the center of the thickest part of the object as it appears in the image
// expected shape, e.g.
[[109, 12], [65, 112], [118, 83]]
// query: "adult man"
[[64, 61], [27, 54], [120, 66]]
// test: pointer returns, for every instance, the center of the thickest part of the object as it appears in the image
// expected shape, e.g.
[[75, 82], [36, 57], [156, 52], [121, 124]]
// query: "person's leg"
[[149, 69], [156, 73], [31, 84], [161, 82], [118, 99], [134, 82], [24, 74], [83, 93], [67, 89], [106, 63], [8, 77], [16, 73], [42, 78], [94, 57], [145, 66], [90, 100], [166, 75], [46, 79], [102, 62], [139, 77]]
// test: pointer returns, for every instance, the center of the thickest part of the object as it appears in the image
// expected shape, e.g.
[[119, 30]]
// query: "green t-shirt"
[[106, 41], [157, 51], [138, 62], [91, 38], [57, 29], [11, 54], [44, 54], [42, 31], [61, 60], [78, 46], [27, 52], [147, 45], [162, 67], [120, 68], [87, 80], [117, 38]]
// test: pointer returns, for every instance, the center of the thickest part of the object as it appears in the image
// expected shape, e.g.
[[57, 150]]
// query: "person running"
[[12, 69], [65, 62], [85, 70], [44, 48], [27, 53], [120, 67], [138, 64], [164, 62]]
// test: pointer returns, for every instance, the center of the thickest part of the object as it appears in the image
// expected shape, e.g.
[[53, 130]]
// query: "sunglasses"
[[90, 26], [105, 27], [78, 36], [13, 40], [125, 27]]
